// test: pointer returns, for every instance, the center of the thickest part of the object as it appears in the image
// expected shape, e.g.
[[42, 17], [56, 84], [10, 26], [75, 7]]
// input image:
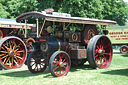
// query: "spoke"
[[32, 60], [20, 51], [64, 67], [100, 60], [56, 68], [96, 51], [55, 64], [18, 45], [37, 67], [96, 56], [102, 48], [9, 63], [3, 51], [13, 42], [16, 50], [5, 47], [7, 60], [4, 57], [65, 63], [16, 59], [62, 70], [10, 45], [56, 71], [40, 66], [33, 64], [98, 43], [107, 53], [104, 58], [15, 62], [97, 47], [107, 45], [12, 61], [97, 60], [6, 43], [63, 60], [17, 54], [19, 57], [14, 47], [42, 61]]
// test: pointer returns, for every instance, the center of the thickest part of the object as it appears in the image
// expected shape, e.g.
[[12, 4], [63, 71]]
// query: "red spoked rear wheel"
[[59, 64], [36, 62], [99, 51], [124, 49], [13, 52]]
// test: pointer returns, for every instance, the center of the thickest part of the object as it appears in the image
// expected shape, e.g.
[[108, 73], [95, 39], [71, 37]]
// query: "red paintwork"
[[103, 52]]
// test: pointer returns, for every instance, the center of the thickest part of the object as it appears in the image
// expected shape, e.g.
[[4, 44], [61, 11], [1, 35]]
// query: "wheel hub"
[[11, 53], [101, 52], [37, 61], [61, 64], [124, 49]]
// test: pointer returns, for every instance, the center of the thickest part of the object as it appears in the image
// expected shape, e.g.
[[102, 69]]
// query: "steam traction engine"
[[58, 40], [13, 50]]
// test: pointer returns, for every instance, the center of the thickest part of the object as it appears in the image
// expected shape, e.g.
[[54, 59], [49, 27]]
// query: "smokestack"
[[49, 10]]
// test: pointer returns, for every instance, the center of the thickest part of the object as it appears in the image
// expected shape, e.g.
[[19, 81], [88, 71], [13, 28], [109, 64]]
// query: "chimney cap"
[[49, 10]]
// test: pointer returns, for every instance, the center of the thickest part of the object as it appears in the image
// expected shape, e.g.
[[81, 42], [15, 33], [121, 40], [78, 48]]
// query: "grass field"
[[116, 74]]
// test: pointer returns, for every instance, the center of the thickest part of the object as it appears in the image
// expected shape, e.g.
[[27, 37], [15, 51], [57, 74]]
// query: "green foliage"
[[116, 10], [3, 12], [17, 7]]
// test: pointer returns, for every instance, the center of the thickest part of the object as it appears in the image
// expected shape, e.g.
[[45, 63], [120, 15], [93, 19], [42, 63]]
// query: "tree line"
[[116, 10]]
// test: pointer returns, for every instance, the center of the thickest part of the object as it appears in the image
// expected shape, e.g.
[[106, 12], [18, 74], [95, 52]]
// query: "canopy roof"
[[11, 23], [68, 19]]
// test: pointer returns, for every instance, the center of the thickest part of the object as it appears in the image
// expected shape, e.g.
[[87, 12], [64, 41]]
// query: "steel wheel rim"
[[124, 49], [12, 53], [37, 62], [103, 52], [61, 64]]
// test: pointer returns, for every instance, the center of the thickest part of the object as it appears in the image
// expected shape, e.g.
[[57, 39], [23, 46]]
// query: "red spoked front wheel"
[[13, 52], [36, 62], [59, 64], [99, 51]]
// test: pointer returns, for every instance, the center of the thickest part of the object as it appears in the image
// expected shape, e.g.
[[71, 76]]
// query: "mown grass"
[[116, 74]]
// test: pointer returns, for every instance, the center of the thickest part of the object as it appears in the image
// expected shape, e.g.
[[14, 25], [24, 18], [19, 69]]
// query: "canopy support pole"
[[25, 29], [37, 22]]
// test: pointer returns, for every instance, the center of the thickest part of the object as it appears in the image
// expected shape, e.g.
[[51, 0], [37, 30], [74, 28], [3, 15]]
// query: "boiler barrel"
[[53, 45]]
